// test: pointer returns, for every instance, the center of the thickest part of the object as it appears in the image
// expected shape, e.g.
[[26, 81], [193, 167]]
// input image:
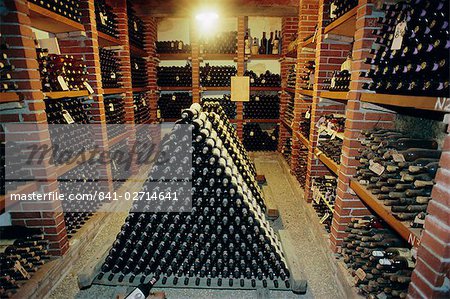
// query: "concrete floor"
[[312, 253]]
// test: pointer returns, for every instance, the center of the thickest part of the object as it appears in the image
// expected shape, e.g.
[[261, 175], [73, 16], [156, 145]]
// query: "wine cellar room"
[[225, 149]]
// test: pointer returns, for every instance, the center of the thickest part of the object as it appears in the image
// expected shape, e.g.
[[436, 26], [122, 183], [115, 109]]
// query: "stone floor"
[[312, 253]]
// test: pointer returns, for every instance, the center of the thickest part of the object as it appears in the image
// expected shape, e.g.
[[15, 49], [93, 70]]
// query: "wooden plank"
[[105, 40], [215, 88], [6, 97], [308, 43], [440, 104], [289, 89], [271, 207], [66, 94], [345, 25], [261, 120], [140, 89], [47, 20], [175, 88], [327, 161], [335, 95], [411, 235], [174, 56], [208, 56], [113, 90], [264, 57], [302, 138], [288, 126], [117, 139], [265, 88], [305, 92]]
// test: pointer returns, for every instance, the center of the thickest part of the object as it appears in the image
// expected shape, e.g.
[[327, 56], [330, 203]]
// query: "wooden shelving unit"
[[215, 88], [105, 40], [260, 120], [265, 88], [327, 161], [411, 235], [140, 89], [263, 57], [211, 56], [334, 95], [289, 89], [47, 20], [174, 56], [66, 94], [414, 102], [80, 159], [345, 25], [113, 90], [175, 88], [309, 43], [6, 97]]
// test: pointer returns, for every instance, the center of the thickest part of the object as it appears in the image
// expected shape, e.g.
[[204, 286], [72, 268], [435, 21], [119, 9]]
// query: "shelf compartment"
[[174, 56], [334, 95], [47, 20], [327, 161], [302, 138], [25, 189], [345, 25], [422, 103], [411, 235], [139, 52], [105, 40], [289, 89], [175, 88], [6, 97], [305, 92], [66, 94], [113, 90]]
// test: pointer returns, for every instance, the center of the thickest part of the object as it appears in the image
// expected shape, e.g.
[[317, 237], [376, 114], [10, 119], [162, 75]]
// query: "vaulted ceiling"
[[225, 7]]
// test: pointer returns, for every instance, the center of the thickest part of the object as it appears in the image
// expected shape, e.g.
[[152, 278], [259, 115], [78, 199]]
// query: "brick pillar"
[[16, 30], [347, 204], [241, 66], [195, 47], [432, 272], [150, 47]]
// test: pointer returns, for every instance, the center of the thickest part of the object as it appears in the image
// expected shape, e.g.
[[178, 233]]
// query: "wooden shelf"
[[170, 120], [327, 161], [140, 89], [114, 90], [265, 88], [118, 138], [302, 138], [289, 89], [334, 95], [136, 51], [288, 126], [175, 88], [305, 92], [218, 56], [215, 88], [47, 20], [6, 97], [345, 25], [105, 40], [261, 120], [174, 56], [264, 57], [412, 235], [291, 54], [66, 94], [308, 43], [423, 103], [62, 169], [24, 189]]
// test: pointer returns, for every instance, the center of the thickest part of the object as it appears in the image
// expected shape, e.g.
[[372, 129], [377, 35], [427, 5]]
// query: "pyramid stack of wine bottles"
[[171, 47], [266, 79], [399, 170], [378, 258], [6, 69], [174, 75], [105, 18], [110, 69], [141, 108], [20, 257], [115, 115], [258, 139], [262, 107], [411, 56], [216, 76], [138, 71], [305, 123], [339, 7], [225, 102], [120, 169], [226, 244], [171, 104], [307, 75], [324, 195], [302, 164], [136, 27]]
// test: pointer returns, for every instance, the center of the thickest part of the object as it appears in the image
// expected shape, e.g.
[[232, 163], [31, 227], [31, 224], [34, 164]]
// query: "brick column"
[[16, 29], [150, 47], [195, 47], [241, 66]]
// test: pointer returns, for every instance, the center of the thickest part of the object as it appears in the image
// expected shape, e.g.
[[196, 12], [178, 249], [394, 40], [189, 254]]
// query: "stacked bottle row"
[[307, 75], [262, 107], [6, 69], [292, 76], [21, 257], [286, 150], [69, 139], [399, 170], [110, 69], [225, 102], [271, 46], [141, 108], [66, 8], [255, 138], [288, 116], [379, 260], [170, 105], [174, 75], [115, 115], [266, 79], [216, 76], [61, 72], [222, 43], [302, 165], [331, 128], [83, 179], [339, 7], [305, 123], [120, 170], [173, 46], [12, 172], [138, 71], [221, 242], [411, 54], [105, 18], [340, 81], [136, 27], [324, 194]]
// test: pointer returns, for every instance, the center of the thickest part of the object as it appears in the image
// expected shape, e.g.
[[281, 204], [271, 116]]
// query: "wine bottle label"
[[399, 33], [376, 168], [113, 75], [333, 8], [136, 294], [144, 102], [382, 295], [174, 98], [361, 274], [398, 158], [103, 19], [377, 253], [88, 87], [111, 107], [325, 217], [135, 26], [385, 262], [307, 115], [67, 117], [63, 83], [257, 99]]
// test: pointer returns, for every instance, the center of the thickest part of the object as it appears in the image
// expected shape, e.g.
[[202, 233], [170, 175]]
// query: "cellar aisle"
[[296, 217]]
